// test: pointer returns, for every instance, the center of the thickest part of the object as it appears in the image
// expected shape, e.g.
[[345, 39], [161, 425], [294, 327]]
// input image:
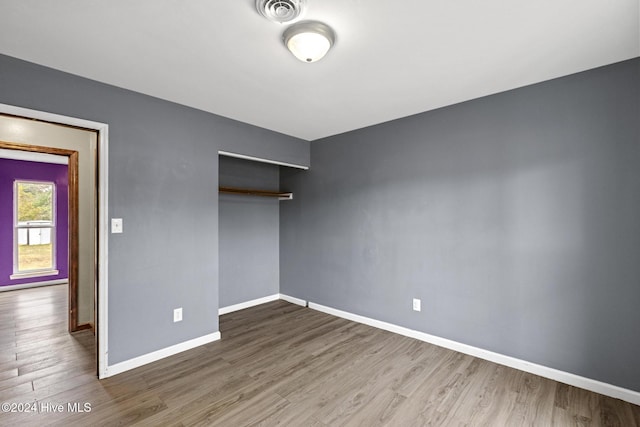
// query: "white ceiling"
[[391, 58]]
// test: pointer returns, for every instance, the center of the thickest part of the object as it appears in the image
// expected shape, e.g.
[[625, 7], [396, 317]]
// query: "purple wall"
[[10, 170]]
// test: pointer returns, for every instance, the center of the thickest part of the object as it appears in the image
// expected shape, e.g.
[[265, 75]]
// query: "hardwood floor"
[[277, 364]]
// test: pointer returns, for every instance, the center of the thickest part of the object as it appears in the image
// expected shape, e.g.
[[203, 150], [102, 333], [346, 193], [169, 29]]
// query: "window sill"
[[31, 274]]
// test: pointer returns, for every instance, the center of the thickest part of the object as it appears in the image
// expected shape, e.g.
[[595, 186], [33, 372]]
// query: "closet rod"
[[250, 192]]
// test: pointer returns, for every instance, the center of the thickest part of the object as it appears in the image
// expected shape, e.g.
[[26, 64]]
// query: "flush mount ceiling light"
[[280, 10], [309, 41]]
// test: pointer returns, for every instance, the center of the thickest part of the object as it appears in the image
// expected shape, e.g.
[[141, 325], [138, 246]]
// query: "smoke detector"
[[280, 10]]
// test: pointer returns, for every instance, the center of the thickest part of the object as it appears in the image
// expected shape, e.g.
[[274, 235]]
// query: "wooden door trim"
[[73, 168]]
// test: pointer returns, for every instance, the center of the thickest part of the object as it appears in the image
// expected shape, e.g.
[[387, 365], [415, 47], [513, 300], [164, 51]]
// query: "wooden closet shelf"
[[251, 192]]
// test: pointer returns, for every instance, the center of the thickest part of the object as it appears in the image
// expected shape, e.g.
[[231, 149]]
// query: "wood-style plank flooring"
[[277, 364]]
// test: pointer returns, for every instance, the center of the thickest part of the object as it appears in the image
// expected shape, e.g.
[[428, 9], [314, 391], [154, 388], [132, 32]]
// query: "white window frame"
[[53, 271]]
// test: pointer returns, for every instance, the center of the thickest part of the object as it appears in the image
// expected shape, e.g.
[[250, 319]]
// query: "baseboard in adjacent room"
[[610, 390], [33, 285], [84, 327], [159, 354]]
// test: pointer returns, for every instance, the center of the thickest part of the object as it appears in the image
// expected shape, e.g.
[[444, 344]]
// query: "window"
[[34, 235]]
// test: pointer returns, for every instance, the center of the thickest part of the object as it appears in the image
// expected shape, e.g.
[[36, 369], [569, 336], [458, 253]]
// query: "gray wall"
[[163, 178], [249, 232], [515, 218]]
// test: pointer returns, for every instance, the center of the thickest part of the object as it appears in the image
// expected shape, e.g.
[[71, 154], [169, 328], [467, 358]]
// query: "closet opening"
[[249, 200]]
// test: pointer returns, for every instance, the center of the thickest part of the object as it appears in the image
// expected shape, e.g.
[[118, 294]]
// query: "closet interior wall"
[[249, 232]]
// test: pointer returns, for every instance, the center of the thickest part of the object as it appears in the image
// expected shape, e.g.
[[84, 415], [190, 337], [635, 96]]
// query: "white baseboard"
[[293, 300], [247, 304], [157, 355], [136, 362], [33, 285], [610, 390]]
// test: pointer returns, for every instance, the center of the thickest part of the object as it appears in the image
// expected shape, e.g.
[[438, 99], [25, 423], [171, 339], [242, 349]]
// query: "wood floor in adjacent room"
[[277, 364]]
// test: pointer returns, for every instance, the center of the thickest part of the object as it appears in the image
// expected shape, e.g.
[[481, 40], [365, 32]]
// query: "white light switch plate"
[[416, 304], [116, 225]]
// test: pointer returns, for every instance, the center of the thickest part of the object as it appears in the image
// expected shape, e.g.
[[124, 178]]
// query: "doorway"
[[81, 203], [86, 305]]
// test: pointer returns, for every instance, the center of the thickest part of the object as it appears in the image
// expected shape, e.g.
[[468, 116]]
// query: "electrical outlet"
[[116, 225], [177, 315], [416, 304]]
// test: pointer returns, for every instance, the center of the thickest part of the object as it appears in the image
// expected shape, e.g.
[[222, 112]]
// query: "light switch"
[[116, 225]]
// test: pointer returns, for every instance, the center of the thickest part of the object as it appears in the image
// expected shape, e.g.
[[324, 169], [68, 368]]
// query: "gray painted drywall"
[[163, 178], [249, 233], [514, 217]]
